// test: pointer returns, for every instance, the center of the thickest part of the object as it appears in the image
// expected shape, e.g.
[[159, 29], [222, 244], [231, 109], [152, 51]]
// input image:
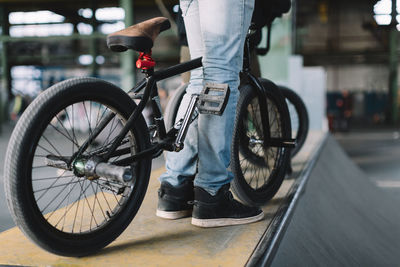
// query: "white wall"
[[310, 84]]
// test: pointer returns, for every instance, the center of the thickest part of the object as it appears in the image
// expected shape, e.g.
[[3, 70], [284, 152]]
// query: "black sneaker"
[[221, 209], [175, 202]]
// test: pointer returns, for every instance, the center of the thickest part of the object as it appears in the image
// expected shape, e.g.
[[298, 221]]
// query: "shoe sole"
[[173, 215], [226, 221]]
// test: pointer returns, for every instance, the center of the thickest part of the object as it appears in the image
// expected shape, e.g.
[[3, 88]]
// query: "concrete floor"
[[6, 221]]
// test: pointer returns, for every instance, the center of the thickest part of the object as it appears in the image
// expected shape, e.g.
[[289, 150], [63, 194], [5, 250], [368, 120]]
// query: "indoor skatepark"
[[328, 211]]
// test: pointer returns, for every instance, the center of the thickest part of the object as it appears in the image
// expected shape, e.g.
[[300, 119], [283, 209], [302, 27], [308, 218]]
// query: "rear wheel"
[[298, 117], [171, 111], [60, 209], [259, 169]]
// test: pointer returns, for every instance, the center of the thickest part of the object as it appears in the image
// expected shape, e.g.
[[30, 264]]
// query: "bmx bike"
[[73, 189]]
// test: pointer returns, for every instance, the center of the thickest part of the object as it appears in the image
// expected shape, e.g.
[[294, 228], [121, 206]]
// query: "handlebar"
[[264, 50]]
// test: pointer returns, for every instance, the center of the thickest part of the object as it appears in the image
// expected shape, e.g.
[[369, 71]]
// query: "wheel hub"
[[86, 167], [79, 167]]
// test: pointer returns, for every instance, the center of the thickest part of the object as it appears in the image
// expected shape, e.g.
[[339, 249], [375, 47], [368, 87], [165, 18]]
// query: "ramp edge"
[[266, 248]]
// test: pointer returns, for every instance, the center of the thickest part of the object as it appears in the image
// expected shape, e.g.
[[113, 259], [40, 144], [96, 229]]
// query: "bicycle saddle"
[[139, 37]]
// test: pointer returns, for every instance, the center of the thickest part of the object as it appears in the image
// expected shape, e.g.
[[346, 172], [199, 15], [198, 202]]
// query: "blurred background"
[[340, 56]]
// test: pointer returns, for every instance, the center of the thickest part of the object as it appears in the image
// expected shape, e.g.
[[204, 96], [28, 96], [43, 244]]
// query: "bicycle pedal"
[[213, 99]]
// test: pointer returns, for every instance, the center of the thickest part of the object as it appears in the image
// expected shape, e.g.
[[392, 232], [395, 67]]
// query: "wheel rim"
[[71, 203]]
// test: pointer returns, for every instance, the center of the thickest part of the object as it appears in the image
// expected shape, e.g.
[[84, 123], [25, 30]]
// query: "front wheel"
[[259, 169], [60, 209]]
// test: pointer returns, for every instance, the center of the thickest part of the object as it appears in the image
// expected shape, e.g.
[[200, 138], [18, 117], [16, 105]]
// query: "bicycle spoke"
[[52, 187], [88, 118], [69, 137], [51, 202], [72, 124], [47, 140], [113, 193], [83, 209], [87, 202], [51, 178], [98, 119], [94, 205], [58, 206], [49, 187], [76, 212], [70, 207], [102, 192]]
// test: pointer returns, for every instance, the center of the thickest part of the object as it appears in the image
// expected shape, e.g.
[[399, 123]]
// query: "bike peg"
[[213, 99]]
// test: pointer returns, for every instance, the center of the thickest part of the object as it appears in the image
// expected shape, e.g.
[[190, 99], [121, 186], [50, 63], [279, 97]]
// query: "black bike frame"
[[149, 90]]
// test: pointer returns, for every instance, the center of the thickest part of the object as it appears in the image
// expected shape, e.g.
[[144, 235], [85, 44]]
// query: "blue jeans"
[[216, 30]]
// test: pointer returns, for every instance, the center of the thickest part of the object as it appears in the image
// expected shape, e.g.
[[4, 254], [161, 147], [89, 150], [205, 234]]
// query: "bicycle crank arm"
[[178, 145]]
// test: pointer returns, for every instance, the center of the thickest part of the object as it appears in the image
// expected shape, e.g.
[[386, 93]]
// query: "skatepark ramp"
[[341, 218]]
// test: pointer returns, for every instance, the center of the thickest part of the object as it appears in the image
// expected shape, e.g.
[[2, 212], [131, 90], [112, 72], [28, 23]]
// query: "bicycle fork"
[[269, 141]]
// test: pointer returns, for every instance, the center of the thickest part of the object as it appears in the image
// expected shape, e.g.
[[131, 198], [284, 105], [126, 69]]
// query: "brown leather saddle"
[[139, 37]]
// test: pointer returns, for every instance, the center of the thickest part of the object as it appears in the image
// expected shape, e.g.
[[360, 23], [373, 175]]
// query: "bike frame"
[[149, 90]]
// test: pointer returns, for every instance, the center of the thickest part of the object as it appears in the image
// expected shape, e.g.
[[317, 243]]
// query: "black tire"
[[259, 172], [61, 212], [173, 105], [298, 117]]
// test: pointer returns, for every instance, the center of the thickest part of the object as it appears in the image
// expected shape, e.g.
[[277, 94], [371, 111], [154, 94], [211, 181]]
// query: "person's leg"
[[177, 182], [224, 25], [183, 165], [220, 42]]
